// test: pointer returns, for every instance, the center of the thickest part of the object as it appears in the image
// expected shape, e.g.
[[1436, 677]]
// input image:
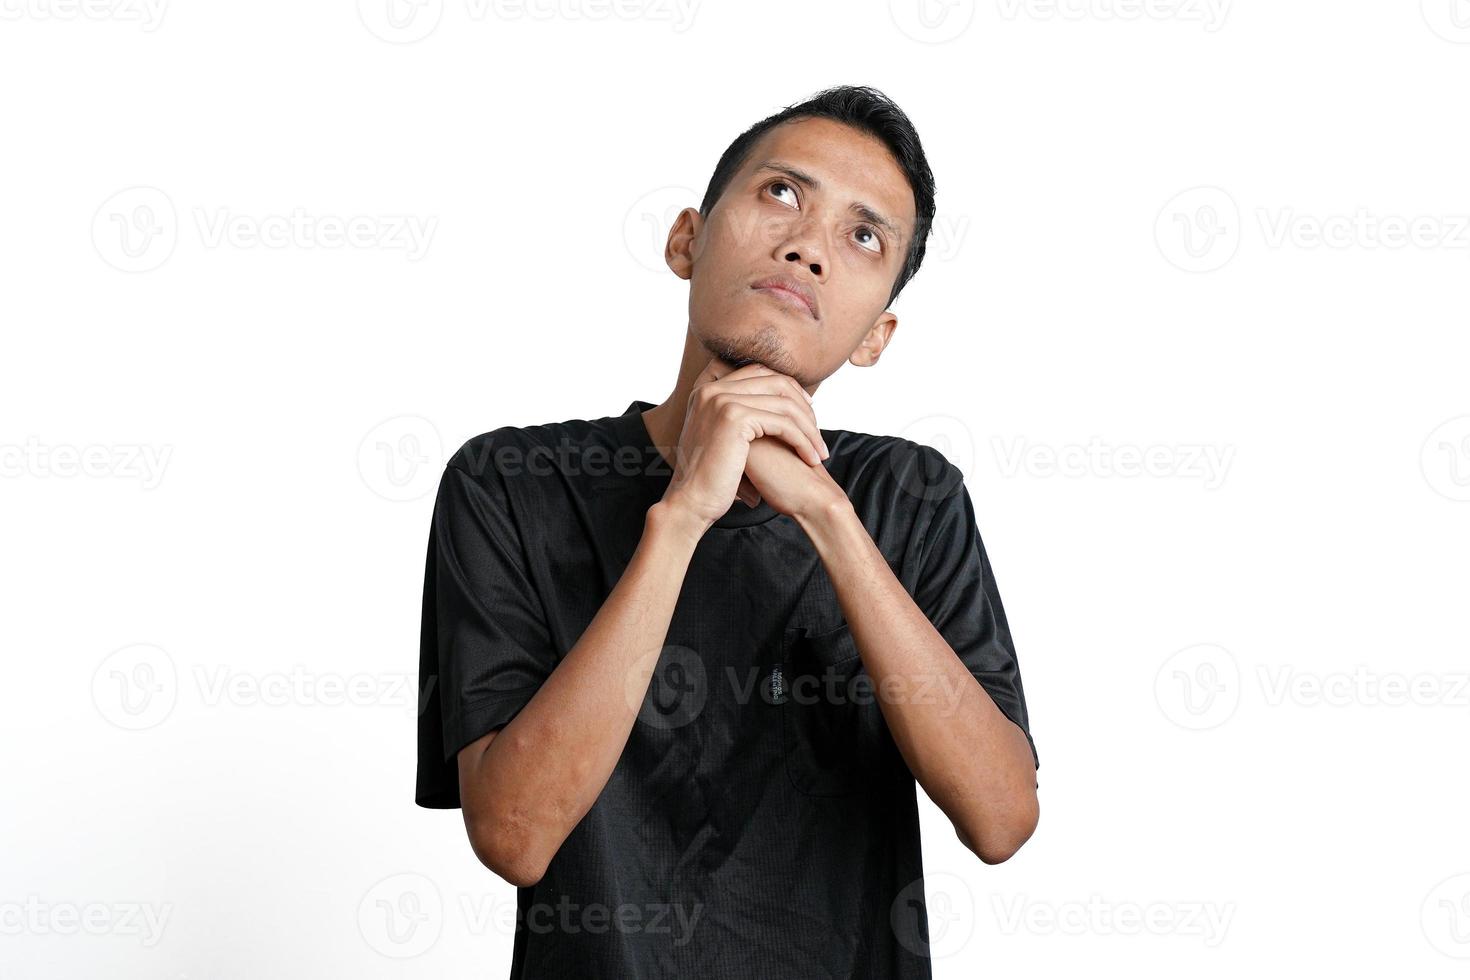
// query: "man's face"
[[822, 203]]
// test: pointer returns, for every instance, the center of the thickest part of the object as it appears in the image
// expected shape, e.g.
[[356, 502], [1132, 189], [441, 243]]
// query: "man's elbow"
[[1000, 844], [504, 854], [996, 853]]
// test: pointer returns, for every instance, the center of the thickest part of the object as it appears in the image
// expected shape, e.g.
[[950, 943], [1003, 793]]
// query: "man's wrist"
[[825, 513], [666, 516]]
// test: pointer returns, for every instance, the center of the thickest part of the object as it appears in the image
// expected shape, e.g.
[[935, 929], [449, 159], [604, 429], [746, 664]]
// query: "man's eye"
[[781, 183], [875, 244]]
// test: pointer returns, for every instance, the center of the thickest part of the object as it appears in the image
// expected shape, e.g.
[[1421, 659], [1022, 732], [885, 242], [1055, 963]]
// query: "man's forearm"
[[542, 772], [972, 760]]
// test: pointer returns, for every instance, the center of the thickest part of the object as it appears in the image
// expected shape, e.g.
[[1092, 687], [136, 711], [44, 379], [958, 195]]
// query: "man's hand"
[[730, 410], [786, 481]]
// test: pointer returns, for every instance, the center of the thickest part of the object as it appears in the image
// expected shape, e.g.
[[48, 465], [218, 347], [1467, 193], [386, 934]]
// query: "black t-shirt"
[[761, 822]]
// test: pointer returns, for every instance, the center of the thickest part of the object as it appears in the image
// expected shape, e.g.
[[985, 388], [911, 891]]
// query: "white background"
[[1227, 240]]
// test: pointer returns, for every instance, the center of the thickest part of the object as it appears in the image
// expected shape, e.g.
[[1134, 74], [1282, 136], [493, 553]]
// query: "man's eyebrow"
[[862, 210]]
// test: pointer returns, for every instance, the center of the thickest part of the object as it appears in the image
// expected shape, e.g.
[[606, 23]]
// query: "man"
[[689, 726]]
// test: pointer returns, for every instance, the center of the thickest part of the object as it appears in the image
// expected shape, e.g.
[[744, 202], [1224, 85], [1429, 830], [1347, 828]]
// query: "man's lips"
[[786, 297], [788, 292]]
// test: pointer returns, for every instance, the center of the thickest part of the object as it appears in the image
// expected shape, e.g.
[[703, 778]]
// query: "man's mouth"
[[790, 292]]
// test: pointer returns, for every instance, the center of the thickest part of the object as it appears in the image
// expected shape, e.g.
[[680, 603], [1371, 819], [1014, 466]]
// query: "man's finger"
[[718, 368]]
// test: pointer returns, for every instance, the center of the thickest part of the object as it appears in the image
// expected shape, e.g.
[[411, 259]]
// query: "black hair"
[[869, 110]]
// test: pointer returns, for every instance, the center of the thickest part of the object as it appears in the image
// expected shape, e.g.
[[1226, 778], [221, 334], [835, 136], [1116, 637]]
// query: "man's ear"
[[878, 337], [679, 249]]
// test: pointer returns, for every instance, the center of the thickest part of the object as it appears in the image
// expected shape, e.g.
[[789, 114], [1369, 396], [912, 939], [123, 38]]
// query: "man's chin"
[[762, 347]]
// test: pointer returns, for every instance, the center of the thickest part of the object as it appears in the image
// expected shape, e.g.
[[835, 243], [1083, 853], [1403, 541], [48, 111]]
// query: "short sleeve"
[[957, 591], [484, 645]]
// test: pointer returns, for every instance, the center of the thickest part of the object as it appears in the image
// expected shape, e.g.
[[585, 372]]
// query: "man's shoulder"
[[887, 459]]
